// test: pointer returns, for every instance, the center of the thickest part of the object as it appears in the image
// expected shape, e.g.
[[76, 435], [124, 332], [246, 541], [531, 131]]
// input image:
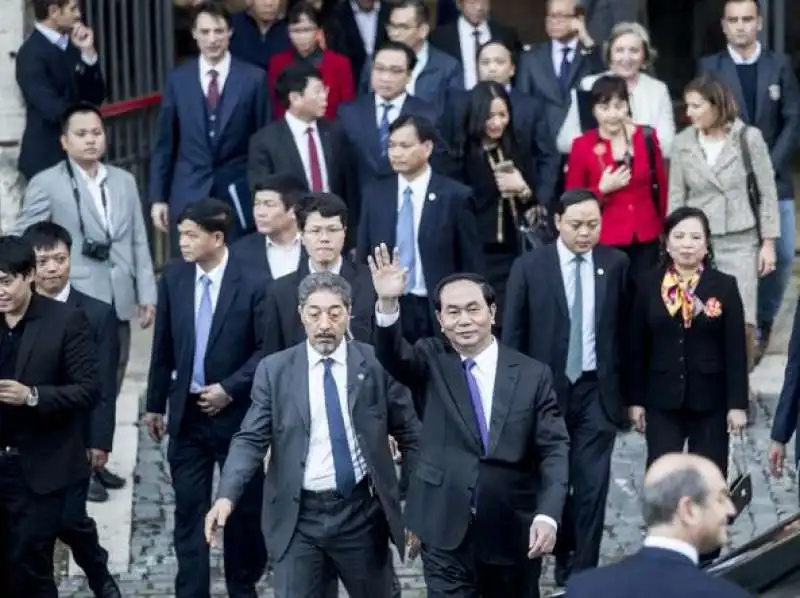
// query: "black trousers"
[[460, 573], [29, 525], [591, 444], [124, 344], [192, 456], [79, 532], [348, 536]]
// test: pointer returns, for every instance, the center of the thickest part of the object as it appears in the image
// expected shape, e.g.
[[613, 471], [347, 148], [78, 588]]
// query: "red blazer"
[[336, 74], [629, 214]]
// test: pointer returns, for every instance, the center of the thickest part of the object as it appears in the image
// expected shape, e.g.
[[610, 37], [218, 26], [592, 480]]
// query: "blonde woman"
[[628, 54]]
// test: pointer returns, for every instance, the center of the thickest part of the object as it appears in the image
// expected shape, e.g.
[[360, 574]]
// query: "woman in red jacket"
[[305, 35], [623, 164]]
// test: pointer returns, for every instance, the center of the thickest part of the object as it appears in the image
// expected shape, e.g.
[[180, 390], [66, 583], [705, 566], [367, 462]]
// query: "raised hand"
[[388, 277]]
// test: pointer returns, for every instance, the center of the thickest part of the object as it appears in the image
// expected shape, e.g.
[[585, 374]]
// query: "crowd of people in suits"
[[566, 267]]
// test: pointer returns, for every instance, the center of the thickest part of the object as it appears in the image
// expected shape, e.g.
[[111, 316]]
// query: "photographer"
[[99, 205]]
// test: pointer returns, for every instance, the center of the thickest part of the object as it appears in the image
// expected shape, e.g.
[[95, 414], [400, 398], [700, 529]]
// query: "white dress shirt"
[[739, 59], [215, 275], [679, 546], [395, 106], [64, 294], [299, 130], [223, 68], [566, 259], [419, 192], [335, 269], [367, 24], [95, 186], [558, 53], [62, 41], [320, 473], [466, 40], [422, 61], [283, 259]]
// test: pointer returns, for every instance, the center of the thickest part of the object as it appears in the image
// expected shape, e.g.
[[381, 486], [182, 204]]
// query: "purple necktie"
[[477, 404]]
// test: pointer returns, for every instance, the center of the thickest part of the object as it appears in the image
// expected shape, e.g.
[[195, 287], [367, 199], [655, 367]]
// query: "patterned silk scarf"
[[678, 295]]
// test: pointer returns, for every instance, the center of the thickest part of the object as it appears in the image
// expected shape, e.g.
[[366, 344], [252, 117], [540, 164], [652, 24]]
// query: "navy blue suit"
[[786, 421], [651, 572], [188, 163], [197, 441]]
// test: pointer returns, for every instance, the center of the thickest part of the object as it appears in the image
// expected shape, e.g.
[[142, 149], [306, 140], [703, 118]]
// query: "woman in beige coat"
[[708, 172]]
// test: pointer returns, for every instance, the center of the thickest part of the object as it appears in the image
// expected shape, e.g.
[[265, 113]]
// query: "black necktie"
[[563, 73]]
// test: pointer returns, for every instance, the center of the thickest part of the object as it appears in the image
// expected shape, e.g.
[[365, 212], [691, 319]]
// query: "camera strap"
[[77, 195]]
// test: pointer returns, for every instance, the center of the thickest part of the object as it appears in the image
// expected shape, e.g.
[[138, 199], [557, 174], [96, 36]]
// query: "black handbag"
[[740, 483], [534, 236]]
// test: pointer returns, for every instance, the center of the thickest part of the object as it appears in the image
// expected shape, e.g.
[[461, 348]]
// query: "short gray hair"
[[325, 281], [660, 498]]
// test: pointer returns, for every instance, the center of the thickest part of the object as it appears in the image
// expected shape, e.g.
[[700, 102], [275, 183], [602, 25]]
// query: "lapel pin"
[[431, 196], [600, 271], [774, 92], [361, 376]]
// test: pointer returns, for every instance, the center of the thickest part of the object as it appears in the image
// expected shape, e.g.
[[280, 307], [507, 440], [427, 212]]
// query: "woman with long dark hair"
[[499, 170]]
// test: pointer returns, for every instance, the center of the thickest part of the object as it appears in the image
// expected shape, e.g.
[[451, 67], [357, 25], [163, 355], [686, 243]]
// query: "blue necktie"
[[563, 73], [406, 238], [202, 329], [383, 129], [342, 459], [480, 415]]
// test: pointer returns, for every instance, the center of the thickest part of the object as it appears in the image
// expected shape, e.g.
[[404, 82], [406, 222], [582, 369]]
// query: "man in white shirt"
[[325, 405]]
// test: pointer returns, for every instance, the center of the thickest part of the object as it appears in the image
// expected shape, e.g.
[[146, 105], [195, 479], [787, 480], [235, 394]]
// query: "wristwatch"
[[32, 400]]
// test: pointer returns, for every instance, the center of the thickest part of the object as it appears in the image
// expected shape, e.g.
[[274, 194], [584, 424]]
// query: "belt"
[[365, 485], [9, 451]]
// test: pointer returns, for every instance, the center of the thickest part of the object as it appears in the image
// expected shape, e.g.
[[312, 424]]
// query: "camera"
[[94, 250]]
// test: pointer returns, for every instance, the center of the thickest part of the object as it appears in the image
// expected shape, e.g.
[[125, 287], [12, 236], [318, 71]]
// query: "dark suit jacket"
[[58, 356], [777, 107], [446, 38], [634, 576], [283, 326], [525, 470], [103, 321], [786, 421], [532, 130], [537, 77], [185, 164], [602, 15], [50, 81], [448, 235], [349, 42], [280, 418], [232, 354], [251, 252], [536, 320], [700, 368]]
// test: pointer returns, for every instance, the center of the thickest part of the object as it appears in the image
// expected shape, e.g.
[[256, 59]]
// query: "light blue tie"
[[575, 347], [406, 238], [202, 329], [384, 128]]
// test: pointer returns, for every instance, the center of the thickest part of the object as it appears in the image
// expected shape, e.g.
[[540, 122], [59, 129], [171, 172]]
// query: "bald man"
[[685, 506]]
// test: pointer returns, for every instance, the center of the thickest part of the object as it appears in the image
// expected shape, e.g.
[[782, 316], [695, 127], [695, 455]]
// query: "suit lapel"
[[231, 95], [558, 279], [186, 291], [390, 219], [456, 382], [429, 220], [575, 66], [299, 373], [600, 286], [194, 91], [88, 209], [227, 293], [287, 143], [356, 374], [504, 385], [327, 148], [553, 88], [763, 72], [30, 337], [731, 77]]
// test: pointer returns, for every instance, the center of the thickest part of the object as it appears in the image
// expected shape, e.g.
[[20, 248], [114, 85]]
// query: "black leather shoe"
[[110, 480], [97, 492], [108, 589]]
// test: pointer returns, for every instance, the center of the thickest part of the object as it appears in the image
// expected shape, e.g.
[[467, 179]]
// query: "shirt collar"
[[99, 179], [486, 359], [467, 27], [673, 544], [739, 59], [566, 257], [358, 10], [297, 126], [64, 294], [335, 269], [216, 273], [339, 354], [54, 37], [396, 103], [418, 186], [422, 58], [222, 67], [571, 44], [291, 245]]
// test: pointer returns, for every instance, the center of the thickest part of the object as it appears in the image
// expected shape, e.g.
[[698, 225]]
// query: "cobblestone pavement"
[[153, 560]]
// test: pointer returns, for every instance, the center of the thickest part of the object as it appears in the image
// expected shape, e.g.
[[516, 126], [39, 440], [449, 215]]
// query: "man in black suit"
[[564, 306], [362, 28], [325, 405], [274, 249], [57, 66], [767, 93], [52, 243], [427, 216], [686, 508], [463, 38], [488, 490], [322, 218], [49, 380], [208, 330]]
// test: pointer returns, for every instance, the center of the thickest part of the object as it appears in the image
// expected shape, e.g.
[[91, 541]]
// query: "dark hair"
[[300, 10], [607, 88], [716, 93], [426, 131], [674, 219], [488, 291], [287, 186], [78, 108], [212, 215], [477, 114], [294, 79], [421, 10], [390, 46], [212, 8], [497, 42], [573, 197], [41, 8], [17, 257], [758, 6], [327, 205], [46, 235]]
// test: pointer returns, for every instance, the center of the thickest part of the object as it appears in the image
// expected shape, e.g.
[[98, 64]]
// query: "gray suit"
[[280, 418], [126, 279]]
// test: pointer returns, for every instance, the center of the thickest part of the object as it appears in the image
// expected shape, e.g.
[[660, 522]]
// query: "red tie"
[[313, 162], [213, 90]]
